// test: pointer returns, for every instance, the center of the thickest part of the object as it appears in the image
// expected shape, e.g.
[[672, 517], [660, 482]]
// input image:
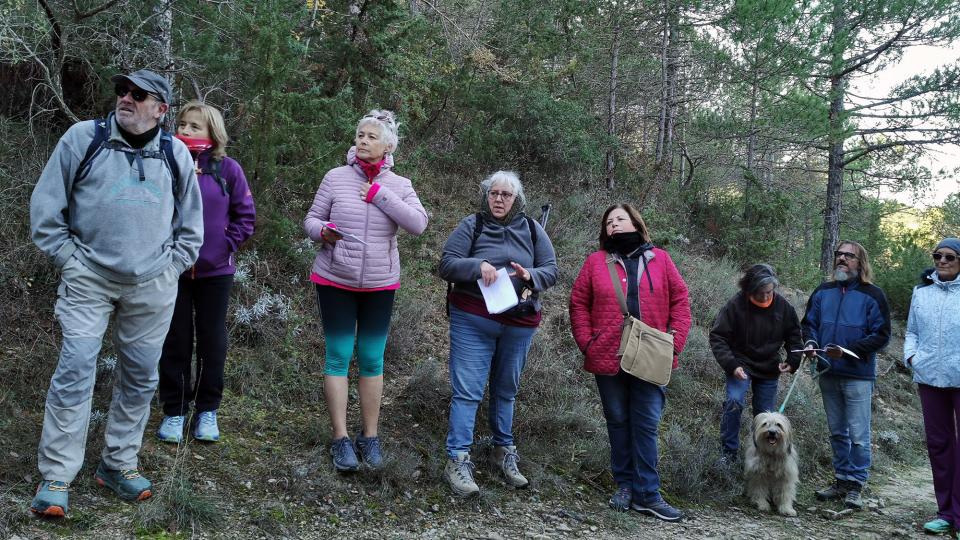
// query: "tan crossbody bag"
[[645, 352]]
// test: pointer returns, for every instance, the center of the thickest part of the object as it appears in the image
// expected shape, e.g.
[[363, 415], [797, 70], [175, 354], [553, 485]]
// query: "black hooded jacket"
[[749, 336]]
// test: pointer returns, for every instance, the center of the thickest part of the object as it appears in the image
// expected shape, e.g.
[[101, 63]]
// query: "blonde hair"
[[215, 125], [866, 272]]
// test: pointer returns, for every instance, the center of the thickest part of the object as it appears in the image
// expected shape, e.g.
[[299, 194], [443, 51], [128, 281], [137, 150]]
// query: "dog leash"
[[813, 375]]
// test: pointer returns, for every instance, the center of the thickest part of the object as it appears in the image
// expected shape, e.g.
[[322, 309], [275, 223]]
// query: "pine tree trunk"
[[831, 213], [611, 163]]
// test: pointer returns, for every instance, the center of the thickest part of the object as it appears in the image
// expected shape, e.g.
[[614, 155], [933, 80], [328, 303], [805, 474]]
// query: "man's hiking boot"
[[51, 499], [128, 484], [369, 450], [171, 429], [459, 474], [620, 501], [852, 499], [833, 492], [344, 457], [506, 458]]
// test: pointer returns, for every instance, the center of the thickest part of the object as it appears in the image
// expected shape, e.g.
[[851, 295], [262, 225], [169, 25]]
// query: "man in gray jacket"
[[117, 210]]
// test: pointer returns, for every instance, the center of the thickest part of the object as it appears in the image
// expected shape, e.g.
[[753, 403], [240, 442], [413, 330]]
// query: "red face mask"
[[196, 145]]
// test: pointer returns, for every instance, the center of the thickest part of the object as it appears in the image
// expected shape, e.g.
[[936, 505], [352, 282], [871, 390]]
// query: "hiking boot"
[[171, 429], [659, 509], [205, 427], [344, 457], [832, 492], [369, 449], [937, 526], [507, 459], [853, 499], [621, 499], [51, 499], [128, 484], [459, 473]]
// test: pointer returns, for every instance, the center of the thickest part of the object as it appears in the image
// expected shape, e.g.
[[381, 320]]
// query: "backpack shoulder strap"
[[166, 148], [533, 231], [213, 168], [477, 230], [100, 135]]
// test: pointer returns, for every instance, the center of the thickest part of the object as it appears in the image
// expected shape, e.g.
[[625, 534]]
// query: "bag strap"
[[615, 280]]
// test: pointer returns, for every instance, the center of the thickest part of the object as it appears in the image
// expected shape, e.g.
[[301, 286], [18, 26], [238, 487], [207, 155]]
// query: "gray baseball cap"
[[149, 81]]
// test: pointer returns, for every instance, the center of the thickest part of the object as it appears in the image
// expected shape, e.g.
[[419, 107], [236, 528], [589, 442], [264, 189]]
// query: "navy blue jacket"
[[853, 315]]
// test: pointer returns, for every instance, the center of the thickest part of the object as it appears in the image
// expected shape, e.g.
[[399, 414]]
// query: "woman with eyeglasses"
[[746, 340], [355, 216], [932, 350], [499, 242], [204, 289], [655, 293]]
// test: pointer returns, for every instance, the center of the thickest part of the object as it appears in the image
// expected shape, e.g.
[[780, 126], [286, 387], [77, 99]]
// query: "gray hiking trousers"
[[85, 302]]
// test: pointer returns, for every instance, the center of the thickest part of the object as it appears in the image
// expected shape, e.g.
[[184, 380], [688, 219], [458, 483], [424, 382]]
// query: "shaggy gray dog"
[[770, 464]]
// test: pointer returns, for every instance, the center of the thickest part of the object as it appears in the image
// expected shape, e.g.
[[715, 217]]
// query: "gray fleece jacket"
[[498, 244], [118, 226]]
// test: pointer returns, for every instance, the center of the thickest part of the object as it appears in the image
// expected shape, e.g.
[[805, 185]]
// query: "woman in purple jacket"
[[355, 216], [228, 219]]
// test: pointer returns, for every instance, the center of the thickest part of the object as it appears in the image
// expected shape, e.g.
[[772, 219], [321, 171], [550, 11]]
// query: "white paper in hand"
[[499, 296]]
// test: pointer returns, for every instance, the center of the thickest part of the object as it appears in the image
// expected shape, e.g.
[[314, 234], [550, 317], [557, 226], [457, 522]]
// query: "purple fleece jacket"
[[228, 219]]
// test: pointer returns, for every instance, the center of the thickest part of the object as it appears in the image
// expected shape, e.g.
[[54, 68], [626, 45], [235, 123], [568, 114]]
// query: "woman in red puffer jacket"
[[656, 294]]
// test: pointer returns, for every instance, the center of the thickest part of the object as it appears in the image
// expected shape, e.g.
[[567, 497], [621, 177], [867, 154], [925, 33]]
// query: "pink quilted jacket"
[[595, 314], [395, 204]]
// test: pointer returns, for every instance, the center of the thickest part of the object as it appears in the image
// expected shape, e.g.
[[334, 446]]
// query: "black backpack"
[[101, 141]]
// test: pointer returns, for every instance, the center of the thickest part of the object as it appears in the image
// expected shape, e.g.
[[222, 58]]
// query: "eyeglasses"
[[503, 195], [845, 255], [945, 256], [382, 117], [138, 94]]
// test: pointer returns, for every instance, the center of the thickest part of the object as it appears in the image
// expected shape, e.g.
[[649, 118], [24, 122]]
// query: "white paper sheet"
[[353, 237], [499, 296], [845, 351]]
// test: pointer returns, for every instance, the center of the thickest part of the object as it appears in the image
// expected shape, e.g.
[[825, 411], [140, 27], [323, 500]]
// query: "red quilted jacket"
[[595, 314]]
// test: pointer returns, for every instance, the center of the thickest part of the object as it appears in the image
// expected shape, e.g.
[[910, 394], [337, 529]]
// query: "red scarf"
[[371, 169], [196, 145]]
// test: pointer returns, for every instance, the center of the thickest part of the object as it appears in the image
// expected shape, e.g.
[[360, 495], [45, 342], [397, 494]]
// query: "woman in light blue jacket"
[[932, 350]]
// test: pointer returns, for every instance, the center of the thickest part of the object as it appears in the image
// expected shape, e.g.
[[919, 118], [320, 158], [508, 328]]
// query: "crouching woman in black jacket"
[[746, 340]]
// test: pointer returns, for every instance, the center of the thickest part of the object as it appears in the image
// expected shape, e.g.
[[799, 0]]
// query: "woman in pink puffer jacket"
[[355, 216], [656, 294]]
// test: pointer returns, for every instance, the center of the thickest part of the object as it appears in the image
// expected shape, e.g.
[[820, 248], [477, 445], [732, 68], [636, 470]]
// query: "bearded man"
[[847, 319]]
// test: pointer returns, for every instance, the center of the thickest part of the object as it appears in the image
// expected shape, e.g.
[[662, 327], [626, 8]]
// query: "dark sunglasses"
[[945, 256], [138, 94], [844, 254]]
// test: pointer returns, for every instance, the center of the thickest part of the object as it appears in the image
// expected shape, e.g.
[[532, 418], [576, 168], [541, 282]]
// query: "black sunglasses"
[[844, 254], [138, 94], [945, 256]]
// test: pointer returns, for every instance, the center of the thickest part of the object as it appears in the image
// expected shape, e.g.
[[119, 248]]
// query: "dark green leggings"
[[349, 316]]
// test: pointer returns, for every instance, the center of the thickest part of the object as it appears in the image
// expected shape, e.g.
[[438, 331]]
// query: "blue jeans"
[[764, 396], [483, 350], [847, 404], [632, 409]]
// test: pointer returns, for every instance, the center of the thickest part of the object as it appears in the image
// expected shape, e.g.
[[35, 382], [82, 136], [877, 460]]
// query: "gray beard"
[[840, 275]]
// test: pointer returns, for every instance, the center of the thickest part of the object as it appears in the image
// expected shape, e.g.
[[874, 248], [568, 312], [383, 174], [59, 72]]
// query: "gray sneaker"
[[853, 499], [507, 459], [459, 473]]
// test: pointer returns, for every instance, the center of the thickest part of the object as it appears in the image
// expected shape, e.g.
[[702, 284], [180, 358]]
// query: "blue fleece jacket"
[[853, 315], [932, 344]]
